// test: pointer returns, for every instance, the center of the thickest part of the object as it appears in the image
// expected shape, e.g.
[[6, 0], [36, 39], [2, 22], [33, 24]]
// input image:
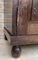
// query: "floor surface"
[[28, 52]]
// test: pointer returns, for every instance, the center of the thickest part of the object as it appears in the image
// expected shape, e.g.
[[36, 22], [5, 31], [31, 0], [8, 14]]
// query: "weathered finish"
[[24, 12], [11, 15], [8, 36], [21, 23], [24, 24], [35, 10], [22, 40], [25, 31]]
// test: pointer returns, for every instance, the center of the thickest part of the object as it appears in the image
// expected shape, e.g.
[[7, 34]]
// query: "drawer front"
[[24, 11], [32, 28], [35, 10]]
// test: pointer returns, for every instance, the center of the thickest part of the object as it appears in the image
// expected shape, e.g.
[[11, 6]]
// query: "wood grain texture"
[[26, 31], [35, 10], [22, 40], [24, 10]]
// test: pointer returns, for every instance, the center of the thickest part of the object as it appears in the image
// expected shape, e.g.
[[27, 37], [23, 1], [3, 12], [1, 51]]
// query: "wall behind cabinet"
[[1, 19]]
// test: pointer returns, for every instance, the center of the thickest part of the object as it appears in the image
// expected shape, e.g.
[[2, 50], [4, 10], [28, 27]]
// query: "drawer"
[[32, 28]]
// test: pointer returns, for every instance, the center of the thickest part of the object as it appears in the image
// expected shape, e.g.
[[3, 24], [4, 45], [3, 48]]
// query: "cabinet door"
[[35, 10], [33, 26], [24, 11], [11, 15], [14, 16]]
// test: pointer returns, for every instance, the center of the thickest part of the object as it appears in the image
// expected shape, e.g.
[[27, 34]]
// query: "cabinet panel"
[[10, 15], [35, 10], [24, 11]]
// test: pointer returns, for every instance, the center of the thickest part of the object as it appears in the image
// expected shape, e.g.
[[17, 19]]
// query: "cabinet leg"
[[16, 51], [5, 37]]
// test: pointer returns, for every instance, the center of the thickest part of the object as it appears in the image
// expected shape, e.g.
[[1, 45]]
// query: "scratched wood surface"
[[25, 25], [24, 10]]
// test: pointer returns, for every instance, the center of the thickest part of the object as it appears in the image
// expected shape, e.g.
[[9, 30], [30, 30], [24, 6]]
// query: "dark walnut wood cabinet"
[[20, 23]]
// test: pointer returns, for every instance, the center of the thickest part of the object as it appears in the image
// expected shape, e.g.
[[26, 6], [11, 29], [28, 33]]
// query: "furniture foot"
[[5, 37], [16, 51]]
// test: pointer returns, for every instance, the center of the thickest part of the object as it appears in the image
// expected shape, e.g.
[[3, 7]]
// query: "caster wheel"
[[5, 37], [16, 51]]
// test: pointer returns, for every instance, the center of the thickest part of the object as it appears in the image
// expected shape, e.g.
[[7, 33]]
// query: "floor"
[[28, 52]]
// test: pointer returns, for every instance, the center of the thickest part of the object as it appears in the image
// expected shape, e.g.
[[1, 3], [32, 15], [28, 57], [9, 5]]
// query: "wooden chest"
[[21, 23]]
